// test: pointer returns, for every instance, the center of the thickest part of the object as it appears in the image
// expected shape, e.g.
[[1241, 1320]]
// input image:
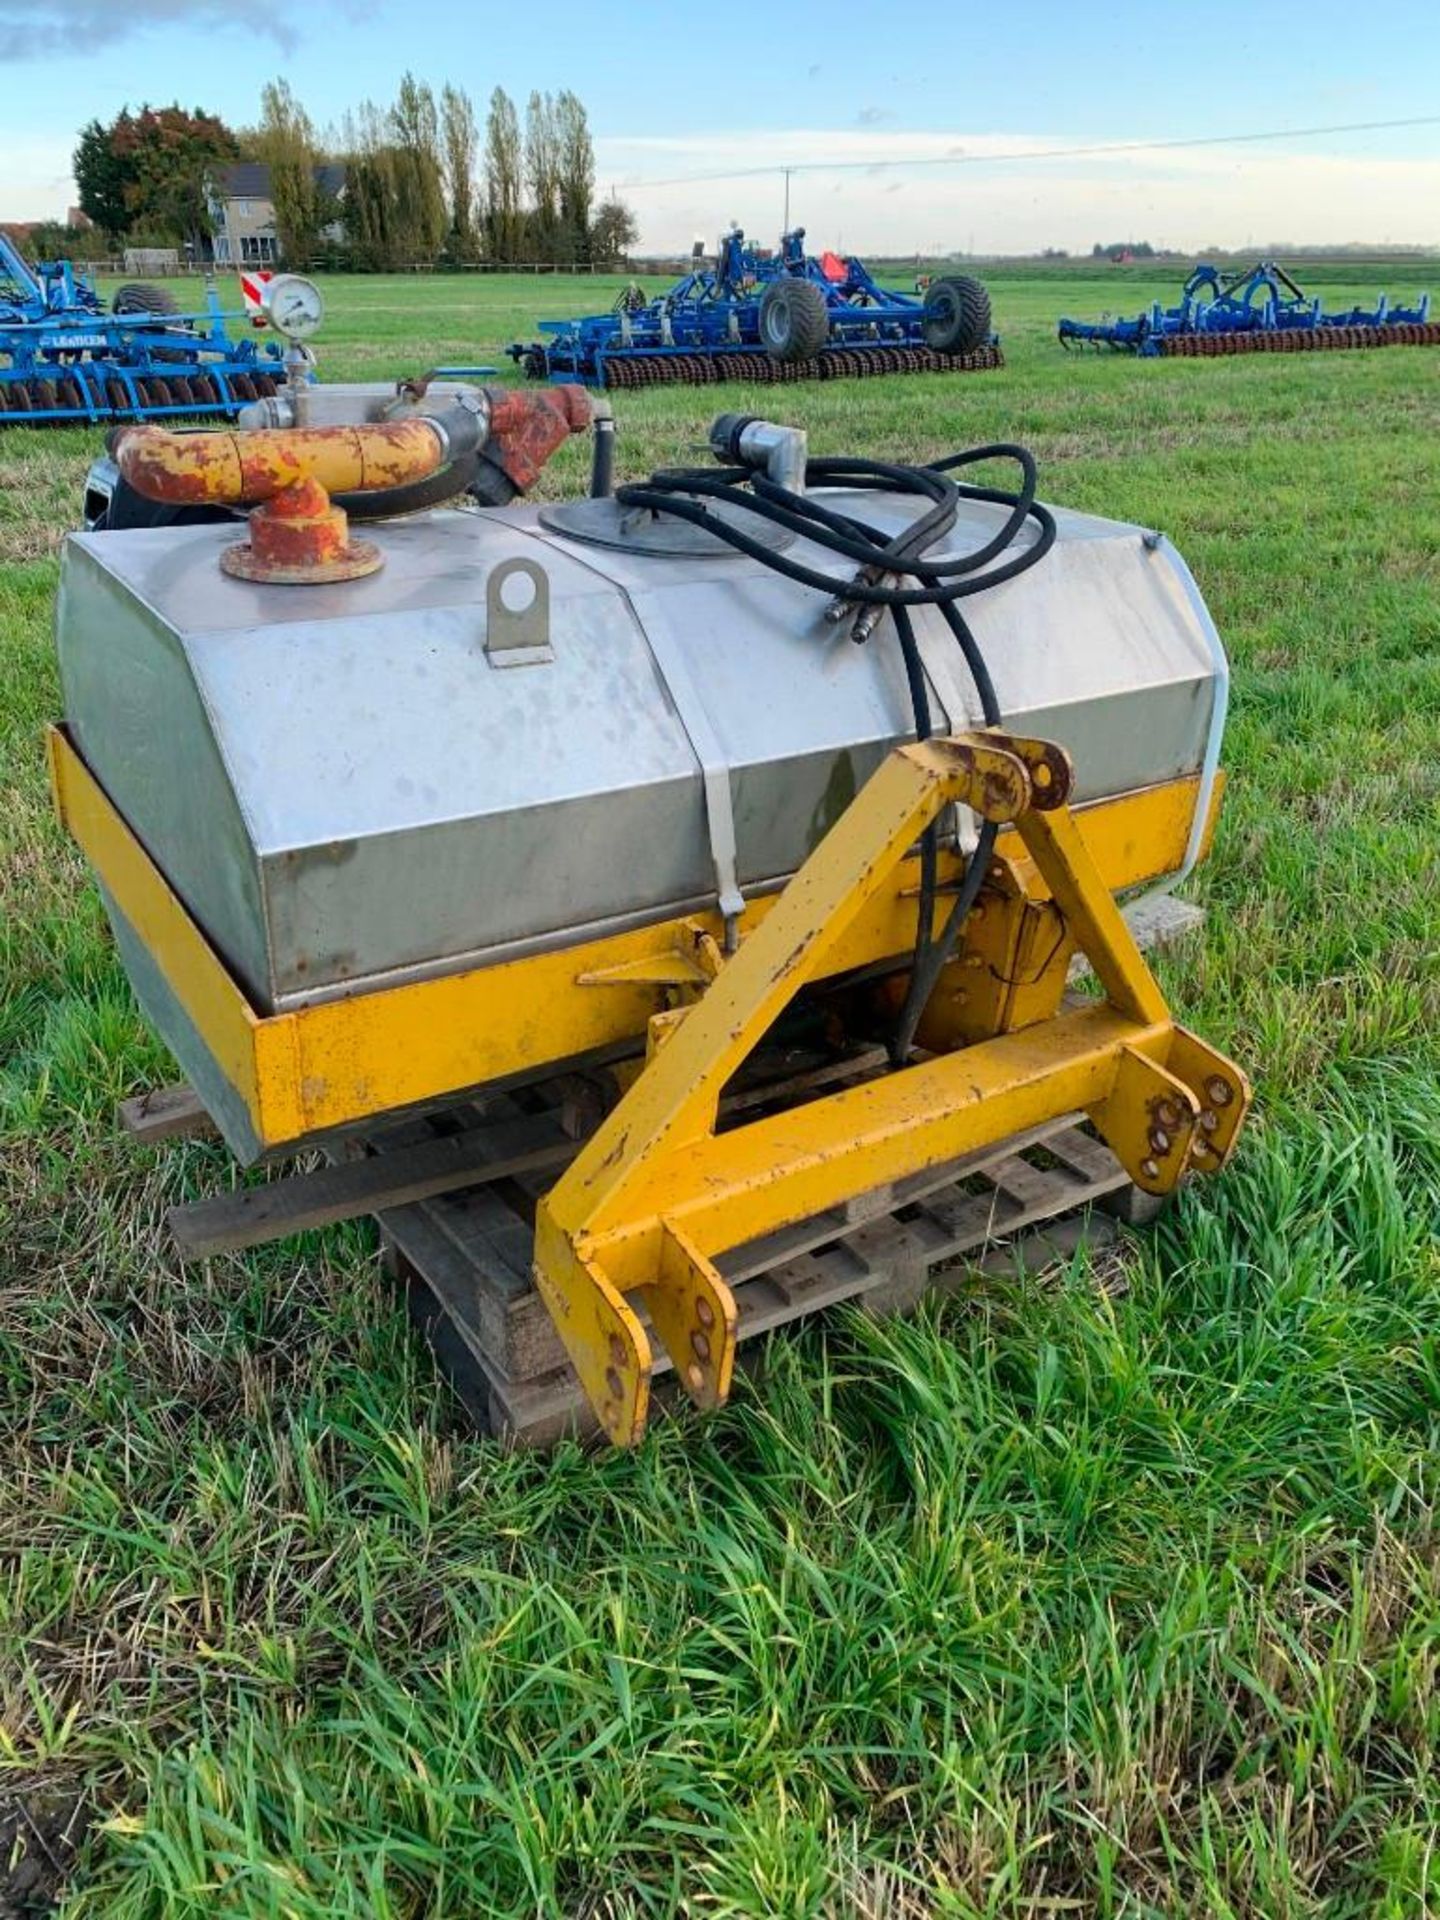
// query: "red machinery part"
[[298, 535], [528, 424]]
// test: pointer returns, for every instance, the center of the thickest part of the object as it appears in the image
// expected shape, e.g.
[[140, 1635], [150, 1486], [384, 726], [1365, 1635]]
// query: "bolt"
[[696, 1378], [1220, 1091], [997, 872], [1159, 1140], [1150, 1169], [700, 1346], [1209, 1119], [973, 960], [617, 1350], [977, 912], [1168, 1114], [704, 1313], [1200, 1148], [612, 1383]]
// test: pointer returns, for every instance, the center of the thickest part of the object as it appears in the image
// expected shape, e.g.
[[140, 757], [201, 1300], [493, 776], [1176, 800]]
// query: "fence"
[[181, 269]]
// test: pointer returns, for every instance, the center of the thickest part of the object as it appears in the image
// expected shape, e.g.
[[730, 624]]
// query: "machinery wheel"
[[42, 395], [180, 391], [956, 315], [156, 393], [242, 386], [139, 296], [794, 319], [19, 396], [71, 393], [117, 394]]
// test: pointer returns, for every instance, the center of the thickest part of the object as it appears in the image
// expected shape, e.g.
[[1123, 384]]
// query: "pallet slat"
[[229, 1222]]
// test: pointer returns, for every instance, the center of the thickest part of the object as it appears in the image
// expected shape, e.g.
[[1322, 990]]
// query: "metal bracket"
[[517, 615]]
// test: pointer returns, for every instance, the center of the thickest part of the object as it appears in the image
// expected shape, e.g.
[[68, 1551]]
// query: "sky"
[[855, 95]]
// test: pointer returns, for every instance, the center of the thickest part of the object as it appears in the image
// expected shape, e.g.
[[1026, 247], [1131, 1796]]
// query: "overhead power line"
[[1034, 153]]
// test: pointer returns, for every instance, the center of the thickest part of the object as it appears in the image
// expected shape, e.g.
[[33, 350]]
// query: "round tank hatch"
[[606, 523]]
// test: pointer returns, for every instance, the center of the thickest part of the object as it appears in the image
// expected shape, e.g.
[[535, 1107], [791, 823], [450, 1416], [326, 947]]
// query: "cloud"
[[50, 29], [873, 116], [887, 197]]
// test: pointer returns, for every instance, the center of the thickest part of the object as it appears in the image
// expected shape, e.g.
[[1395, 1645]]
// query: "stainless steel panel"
[[345, 790]]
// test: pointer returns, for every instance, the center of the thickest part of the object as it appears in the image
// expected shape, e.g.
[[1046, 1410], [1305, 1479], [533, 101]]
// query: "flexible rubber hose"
[[941, 583]]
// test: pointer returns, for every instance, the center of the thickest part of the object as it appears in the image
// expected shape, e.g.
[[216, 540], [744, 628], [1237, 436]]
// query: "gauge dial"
[[294, 306]]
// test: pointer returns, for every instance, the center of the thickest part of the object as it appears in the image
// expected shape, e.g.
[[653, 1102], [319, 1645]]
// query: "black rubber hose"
[[415, 495], [462, 429], [942, 583]]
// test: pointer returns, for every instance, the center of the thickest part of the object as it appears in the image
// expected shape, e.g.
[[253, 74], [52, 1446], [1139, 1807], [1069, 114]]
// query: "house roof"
[[245, 180], [250, 179]]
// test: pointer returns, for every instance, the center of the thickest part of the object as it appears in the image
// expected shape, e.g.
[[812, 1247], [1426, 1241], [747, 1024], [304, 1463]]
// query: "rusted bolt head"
[[997, 872], [1200, 1148], [704, 1313], [1167, 1113], [1220, 1091], [1160, 1140], [617, 1350], [612, 1383], [1209, 1119], [696, 1377], [1041, 775], [700, 1345], [1150, 1169]]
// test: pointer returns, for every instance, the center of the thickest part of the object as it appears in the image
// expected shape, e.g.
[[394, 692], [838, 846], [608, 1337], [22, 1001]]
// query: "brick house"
[[242, 213]]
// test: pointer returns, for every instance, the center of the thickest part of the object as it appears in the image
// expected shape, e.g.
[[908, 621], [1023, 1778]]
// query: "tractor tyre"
[[794, 320], [139, 296], [956, 315]]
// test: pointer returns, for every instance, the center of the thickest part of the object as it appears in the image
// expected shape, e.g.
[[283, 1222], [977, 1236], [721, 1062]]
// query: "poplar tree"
[[504, 218], [576, 166], [459, 140]]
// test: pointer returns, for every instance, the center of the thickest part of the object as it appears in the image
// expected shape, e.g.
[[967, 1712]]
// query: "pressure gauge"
[[294, 306]]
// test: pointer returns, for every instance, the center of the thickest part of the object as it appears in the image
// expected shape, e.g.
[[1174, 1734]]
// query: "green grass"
[[1046, 1602]]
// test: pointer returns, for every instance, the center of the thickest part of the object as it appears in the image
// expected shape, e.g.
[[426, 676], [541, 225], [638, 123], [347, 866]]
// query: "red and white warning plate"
[[253, 283]]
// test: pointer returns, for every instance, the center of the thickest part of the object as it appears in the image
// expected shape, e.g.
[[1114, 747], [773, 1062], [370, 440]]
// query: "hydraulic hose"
[[885, 562]]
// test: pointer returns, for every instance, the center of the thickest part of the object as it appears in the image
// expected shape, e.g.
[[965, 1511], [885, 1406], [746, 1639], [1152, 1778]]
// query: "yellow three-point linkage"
[[656, 1195]]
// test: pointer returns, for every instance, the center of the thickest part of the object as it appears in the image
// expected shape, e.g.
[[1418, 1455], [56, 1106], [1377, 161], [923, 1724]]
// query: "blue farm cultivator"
[[65, 357], [761, 316], [1258, 311]]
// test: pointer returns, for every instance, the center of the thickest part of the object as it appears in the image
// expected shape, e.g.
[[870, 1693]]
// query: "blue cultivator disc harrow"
[[761, 316], [65, 357], [1259, 311]]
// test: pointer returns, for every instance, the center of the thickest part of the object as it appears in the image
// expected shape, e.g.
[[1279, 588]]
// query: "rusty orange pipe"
[[238, 468]]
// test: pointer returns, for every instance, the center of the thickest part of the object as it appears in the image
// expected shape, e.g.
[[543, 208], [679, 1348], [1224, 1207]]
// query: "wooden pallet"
[[464, 1259]]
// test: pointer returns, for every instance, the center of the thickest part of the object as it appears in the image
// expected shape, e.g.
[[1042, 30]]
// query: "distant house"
[[242, 213]]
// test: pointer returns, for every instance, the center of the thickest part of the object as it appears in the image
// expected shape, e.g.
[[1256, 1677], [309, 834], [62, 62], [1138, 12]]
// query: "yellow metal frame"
[[657, 1194], [319, 1068]]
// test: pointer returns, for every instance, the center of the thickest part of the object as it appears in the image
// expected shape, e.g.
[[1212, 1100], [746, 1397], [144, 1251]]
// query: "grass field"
[[1052, 1601]]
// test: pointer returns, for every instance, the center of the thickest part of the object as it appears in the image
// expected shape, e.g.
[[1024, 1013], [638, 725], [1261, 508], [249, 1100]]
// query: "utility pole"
[[787, 171]]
